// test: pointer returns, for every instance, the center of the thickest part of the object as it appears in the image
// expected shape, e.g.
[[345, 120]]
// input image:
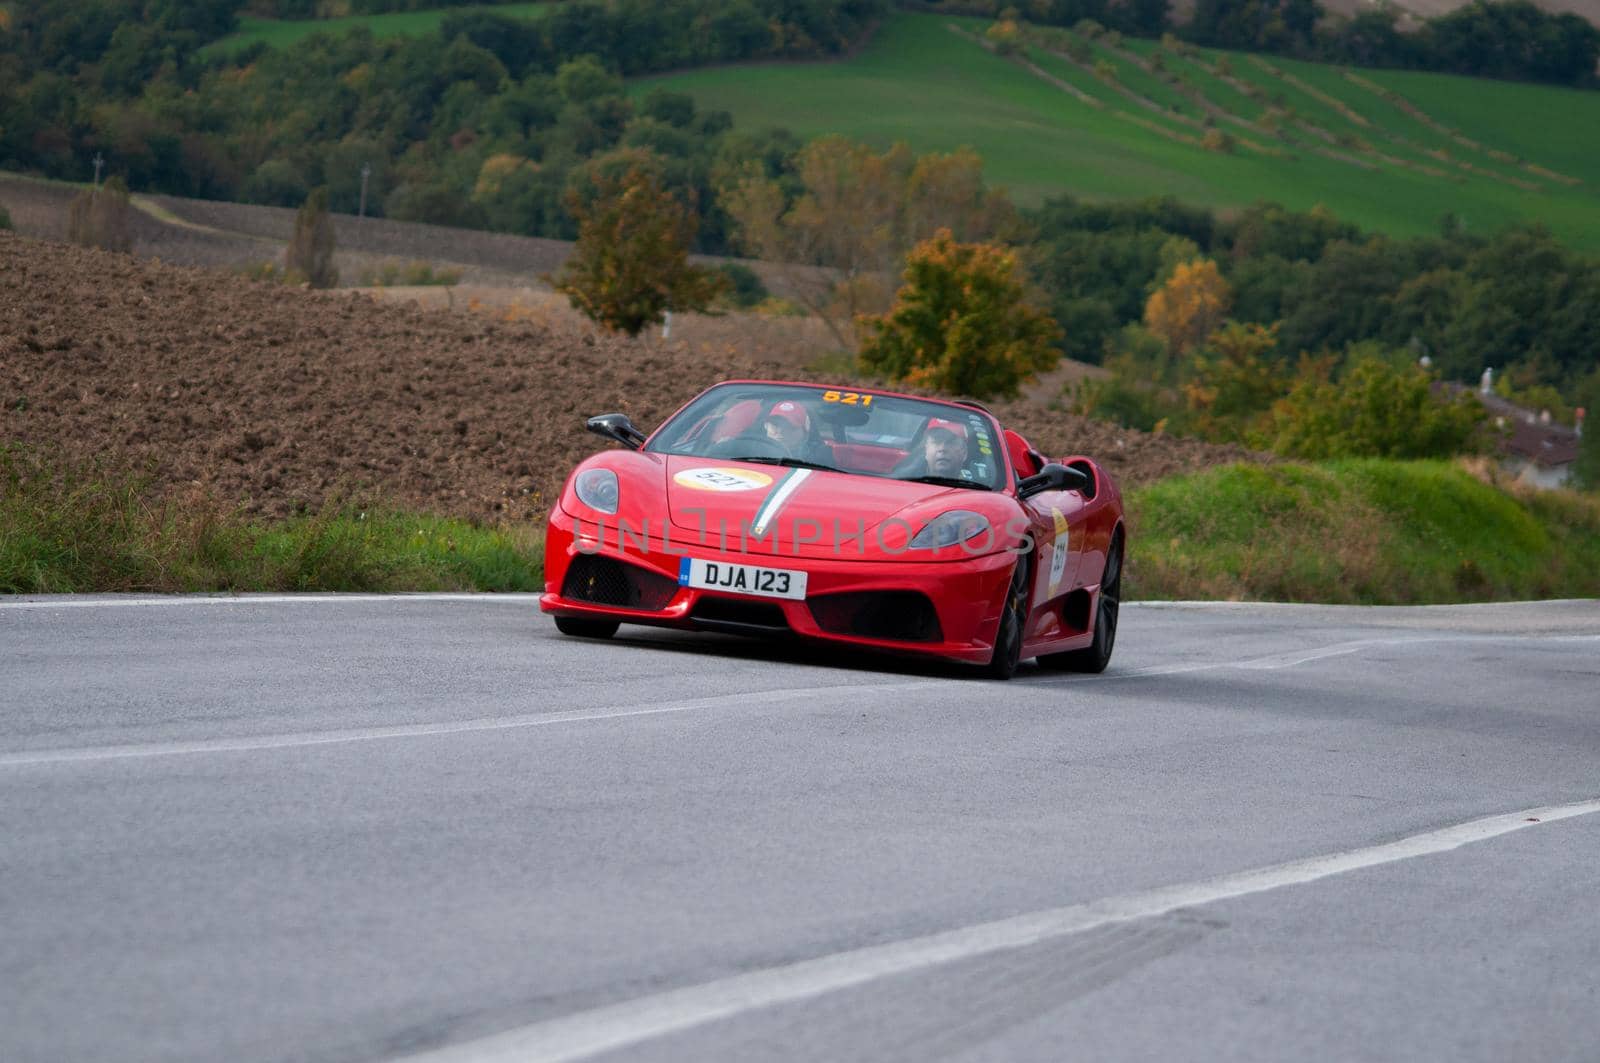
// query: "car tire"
[[1008, 637], [584, 627], [1097, 654]]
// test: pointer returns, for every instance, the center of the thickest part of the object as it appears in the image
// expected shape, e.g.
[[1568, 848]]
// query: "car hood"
[[801, 512]]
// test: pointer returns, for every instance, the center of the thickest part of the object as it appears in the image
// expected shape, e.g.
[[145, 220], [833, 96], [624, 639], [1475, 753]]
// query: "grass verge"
[[1362, 532], [99, 527]]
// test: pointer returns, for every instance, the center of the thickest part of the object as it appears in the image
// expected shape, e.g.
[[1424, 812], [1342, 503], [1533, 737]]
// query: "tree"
[[962, 323], [1377, 410], [310, 253], [1234, 381], [1189, 306], [631, 262], [841, 236], [100, 217]]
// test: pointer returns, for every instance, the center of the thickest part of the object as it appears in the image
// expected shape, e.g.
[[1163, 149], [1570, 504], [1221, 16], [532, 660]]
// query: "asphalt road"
[[361, 829]]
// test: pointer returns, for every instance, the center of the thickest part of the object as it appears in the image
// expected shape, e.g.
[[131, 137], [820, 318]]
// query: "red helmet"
[[955, 428]]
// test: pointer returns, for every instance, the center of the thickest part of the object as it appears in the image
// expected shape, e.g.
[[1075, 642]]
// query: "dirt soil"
[[281, 398]]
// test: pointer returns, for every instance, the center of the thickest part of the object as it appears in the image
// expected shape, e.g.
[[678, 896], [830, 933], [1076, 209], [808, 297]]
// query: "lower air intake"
[[903, 616], [607, 581], [740, 617]]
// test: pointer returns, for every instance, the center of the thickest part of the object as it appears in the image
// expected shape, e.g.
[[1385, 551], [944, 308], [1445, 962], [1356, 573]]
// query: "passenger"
[[943, 453]]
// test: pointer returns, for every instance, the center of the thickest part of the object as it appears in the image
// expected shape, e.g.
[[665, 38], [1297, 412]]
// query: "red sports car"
[[881, 521]]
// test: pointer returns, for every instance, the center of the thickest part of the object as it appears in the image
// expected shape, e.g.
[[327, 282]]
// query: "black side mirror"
[[1053, 477], [616, 426]]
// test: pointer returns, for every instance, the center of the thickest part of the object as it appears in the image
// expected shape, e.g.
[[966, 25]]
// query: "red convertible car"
[[865, 518]]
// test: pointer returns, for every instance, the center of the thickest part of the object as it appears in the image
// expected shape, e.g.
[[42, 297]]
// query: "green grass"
[[280, 33], [99, 527], [1361, 532], [918, 82]]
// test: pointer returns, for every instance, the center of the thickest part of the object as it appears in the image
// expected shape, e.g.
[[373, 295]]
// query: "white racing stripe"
[[590, 1033], [769, 508], [244, 743], [519, 598]]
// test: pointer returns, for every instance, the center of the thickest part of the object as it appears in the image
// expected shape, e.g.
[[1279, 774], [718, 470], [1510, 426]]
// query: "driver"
[[944, 448], [788, 426]]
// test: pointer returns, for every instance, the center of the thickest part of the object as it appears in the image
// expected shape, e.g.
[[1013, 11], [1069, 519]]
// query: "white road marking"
[[519, 598], [245, 743], [589, 1033], [23, 758], [1294, 658]]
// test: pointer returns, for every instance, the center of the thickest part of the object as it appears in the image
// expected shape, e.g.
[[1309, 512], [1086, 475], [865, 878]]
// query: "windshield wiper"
[[796, 463], [945, 481]]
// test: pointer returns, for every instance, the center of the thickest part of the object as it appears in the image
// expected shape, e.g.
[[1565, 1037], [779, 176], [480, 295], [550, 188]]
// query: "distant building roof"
[[1528, 436]]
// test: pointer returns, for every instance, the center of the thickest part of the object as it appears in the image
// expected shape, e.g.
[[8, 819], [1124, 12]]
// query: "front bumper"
[[843, 596]]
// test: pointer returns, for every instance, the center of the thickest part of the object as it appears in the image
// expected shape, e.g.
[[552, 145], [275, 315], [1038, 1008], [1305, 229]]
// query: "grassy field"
[[280, 33], [1363, 532], [1360, 532], [76, 529], [1363, 156]]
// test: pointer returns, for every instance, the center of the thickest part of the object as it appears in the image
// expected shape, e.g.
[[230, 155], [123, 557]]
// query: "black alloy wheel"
[[1008, 639]]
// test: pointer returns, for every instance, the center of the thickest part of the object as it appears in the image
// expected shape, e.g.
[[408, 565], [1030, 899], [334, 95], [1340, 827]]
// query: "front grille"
[[904, 616], [607, 581], [735, 614]]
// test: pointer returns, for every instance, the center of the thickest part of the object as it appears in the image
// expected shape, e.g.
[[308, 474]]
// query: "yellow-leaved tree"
[[839, 233], [630, 264], [962, 323], [1234, 380], [1190, 306]]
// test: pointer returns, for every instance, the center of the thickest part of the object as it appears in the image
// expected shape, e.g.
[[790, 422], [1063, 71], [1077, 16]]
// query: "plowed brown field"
[[281, 398]]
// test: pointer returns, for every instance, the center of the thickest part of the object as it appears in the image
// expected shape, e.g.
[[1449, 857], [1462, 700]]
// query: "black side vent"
[[1088, 470], [904, 616], [607, 581]]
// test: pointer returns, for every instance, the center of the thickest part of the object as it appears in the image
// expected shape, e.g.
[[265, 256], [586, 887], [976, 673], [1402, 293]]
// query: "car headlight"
[[949, 529], [597, 489]]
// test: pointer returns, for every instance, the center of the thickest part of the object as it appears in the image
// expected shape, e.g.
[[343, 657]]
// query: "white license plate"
[[741, 579]]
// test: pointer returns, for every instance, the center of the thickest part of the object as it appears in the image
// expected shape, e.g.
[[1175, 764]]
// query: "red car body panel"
[[848, 534]]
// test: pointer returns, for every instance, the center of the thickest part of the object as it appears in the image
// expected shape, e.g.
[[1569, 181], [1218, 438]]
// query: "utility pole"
[[366, 172], [99, 161]]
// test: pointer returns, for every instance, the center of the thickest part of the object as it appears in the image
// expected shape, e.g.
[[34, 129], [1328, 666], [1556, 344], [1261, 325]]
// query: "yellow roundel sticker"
[[723, 479]]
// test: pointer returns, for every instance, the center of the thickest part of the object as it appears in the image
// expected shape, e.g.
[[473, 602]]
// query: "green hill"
[[1391, 151]]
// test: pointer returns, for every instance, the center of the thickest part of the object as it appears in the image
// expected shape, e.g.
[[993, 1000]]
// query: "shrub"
[[1005, 37], [311, 248], [962, 322], [745, 289], [100, 217], [1234, 381], [1376, 410]]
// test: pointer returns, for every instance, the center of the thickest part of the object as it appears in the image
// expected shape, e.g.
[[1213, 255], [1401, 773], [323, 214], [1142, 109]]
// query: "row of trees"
[[126, 77], [966, 321], [1517, 299], [1511, 39], [1190, 367]]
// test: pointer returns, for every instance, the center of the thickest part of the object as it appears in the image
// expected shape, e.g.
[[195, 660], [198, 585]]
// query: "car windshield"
[[857, 432]]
